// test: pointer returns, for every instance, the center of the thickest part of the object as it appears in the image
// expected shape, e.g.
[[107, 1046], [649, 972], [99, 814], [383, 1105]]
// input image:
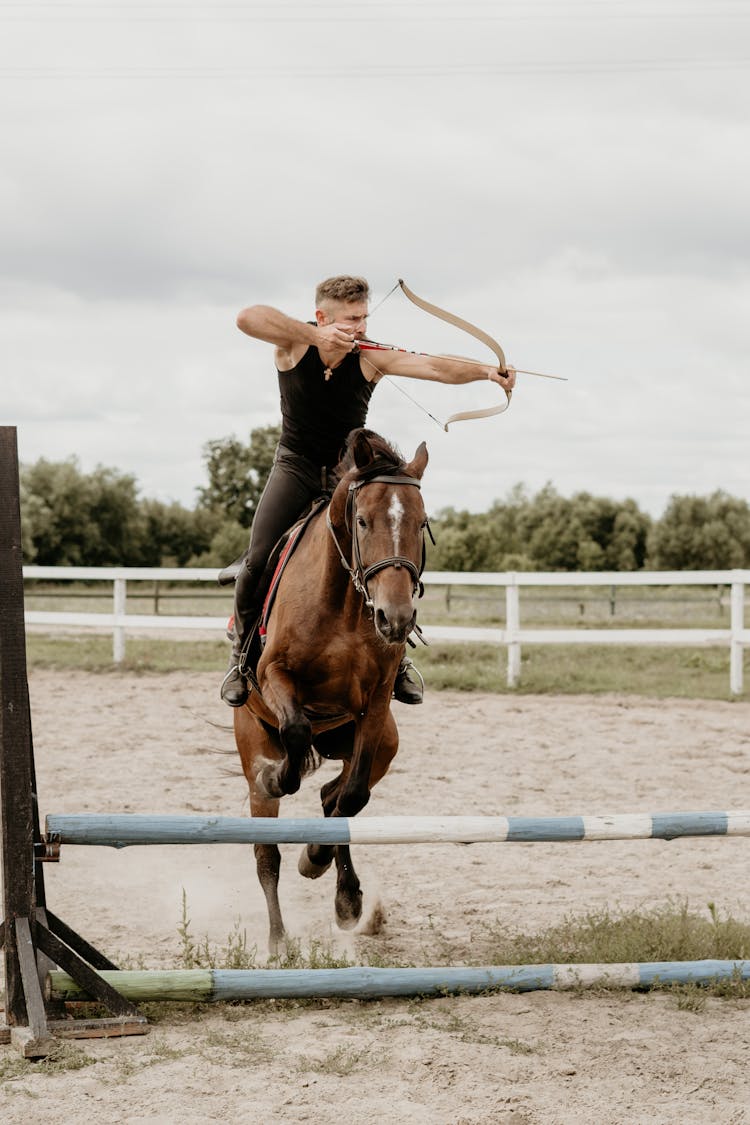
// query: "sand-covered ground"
[[117, 742]]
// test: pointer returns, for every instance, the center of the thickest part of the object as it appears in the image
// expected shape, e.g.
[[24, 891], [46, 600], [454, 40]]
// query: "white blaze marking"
[[395, 515]]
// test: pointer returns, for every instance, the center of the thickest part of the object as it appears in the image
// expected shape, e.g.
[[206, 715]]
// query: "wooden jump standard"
[[32, 938]]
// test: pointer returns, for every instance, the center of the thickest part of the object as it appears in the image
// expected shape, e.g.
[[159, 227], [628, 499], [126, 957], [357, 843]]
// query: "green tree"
[[176, 534], [31, 515], [543, 532], [77, 519], [628, 540], [583, 532], [227, 544], [701, 533], [237, 473]]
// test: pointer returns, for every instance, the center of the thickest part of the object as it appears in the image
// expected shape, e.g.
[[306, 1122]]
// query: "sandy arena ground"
[[116, 742]]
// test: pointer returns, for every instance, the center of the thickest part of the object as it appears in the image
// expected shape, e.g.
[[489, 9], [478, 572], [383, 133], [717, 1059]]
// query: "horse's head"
[[379, 503]]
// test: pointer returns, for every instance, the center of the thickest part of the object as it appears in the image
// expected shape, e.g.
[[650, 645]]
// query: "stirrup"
[[241, 697]]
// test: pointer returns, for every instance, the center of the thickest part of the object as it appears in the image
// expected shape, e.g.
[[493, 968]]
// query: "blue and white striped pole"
[[365, 983], [123, 830]]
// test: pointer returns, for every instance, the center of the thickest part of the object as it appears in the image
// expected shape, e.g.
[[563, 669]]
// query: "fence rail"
[[736, 637]]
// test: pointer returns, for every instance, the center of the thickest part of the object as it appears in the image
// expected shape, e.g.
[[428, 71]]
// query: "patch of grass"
[[241, 1048], [317, 955], [345, 1061], [65, 1057], [515, 1046], [235, 953], [650, 671], [154, 1052], [690, 998], [193, 954], [447, 1020], [93, 653], [669, 933], [161, 1051]]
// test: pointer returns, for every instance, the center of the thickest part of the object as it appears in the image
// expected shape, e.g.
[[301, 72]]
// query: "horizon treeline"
[[71, 518]]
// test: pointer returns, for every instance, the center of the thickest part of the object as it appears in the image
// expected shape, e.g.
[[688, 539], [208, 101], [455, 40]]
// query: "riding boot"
[[408, 688], [234, 688]]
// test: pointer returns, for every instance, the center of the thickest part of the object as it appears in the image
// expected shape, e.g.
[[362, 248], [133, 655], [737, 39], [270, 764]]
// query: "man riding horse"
[[325, 385]]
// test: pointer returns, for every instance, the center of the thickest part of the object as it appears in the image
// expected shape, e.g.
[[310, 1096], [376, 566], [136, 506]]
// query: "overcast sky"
[[572, 176]]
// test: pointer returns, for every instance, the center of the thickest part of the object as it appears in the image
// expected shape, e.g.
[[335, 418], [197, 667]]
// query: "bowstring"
[[383, 299], [397, 386]]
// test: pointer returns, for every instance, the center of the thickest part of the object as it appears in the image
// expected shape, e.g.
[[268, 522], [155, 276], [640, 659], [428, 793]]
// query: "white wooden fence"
[[513, 636]]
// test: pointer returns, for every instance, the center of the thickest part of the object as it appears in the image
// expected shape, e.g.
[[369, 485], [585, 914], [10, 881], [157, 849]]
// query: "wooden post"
[[26, 927], [24, 1006], [737, 626], [119, 606], [512, 625]]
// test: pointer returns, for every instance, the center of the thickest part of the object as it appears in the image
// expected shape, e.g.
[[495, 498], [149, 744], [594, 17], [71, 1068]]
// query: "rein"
[[358, 572]]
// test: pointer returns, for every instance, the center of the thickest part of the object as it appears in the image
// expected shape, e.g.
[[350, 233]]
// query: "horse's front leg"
[[257, 746], [279, 691]]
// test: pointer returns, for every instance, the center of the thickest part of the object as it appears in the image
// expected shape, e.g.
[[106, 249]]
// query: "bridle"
[[358, 572]]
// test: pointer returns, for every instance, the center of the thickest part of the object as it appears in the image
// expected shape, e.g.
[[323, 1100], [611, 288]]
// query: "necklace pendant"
[[327, 373]]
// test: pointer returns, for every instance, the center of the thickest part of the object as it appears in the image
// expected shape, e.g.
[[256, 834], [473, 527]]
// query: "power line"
[[434, 10], [603, 68]]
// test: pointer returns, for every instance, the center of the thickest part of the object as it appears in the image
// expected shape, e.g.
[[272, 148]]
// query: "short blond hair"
[[342, 288]]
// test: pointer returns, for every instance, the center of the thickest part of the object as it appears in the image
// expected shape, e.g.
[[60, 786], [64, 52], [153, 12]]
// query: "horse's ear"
[[361, 450], [417, 466]]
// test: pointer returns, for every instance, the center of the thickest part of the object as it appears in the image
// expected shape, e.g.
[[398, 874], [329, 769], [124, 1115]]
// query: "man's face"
[[350, 313]]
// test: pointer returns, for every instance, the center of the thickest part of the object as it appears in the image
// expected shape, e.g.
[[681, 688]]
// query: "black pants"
[[294, 483]]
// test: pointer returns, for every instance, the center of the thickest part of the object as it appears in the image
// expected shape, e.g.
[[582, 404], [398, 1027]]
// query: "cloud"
[[572, 178]]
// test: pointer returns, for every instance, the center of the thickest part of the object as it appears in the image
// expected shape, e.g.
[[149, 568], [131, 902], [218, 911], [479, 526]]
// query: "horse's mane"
[[387, 460]]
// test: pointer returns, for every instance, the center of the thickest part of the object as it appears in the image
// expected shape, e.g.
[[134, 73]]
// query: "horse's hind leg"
[[268, 865], [256, 745]]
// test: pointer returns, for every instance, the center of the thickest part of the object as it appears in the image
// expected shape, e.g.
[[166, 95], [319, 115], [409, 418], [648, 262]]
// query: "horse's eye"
[[361, 521]]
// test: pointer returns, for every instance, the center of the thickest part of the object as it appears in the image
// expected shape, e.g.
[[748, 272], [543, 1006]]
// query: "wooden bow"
[[478, 334]]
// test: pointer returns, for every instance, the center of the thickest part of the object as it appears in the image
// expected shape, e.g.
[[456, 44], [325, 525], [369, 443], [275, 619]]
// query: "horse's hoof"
[[348, 910], [308, 869]]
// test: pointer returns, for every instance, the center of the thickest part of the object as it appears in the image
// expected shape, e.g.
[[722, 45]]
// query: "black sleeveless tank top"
[[318, 413]]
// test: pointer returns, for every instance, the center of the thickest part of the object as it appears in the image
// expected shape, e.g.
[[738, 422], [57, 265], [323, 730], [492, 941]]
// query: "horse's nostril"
[[382, 623]]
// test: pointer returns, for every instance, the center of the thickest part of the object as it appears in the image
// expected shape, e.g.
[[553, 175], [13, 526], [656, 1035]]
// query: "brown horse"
[[335, 638]]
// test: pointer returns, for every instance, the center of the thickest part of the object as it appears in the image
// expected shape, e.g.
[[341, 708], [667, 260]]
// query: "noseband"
[[359, 573]]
